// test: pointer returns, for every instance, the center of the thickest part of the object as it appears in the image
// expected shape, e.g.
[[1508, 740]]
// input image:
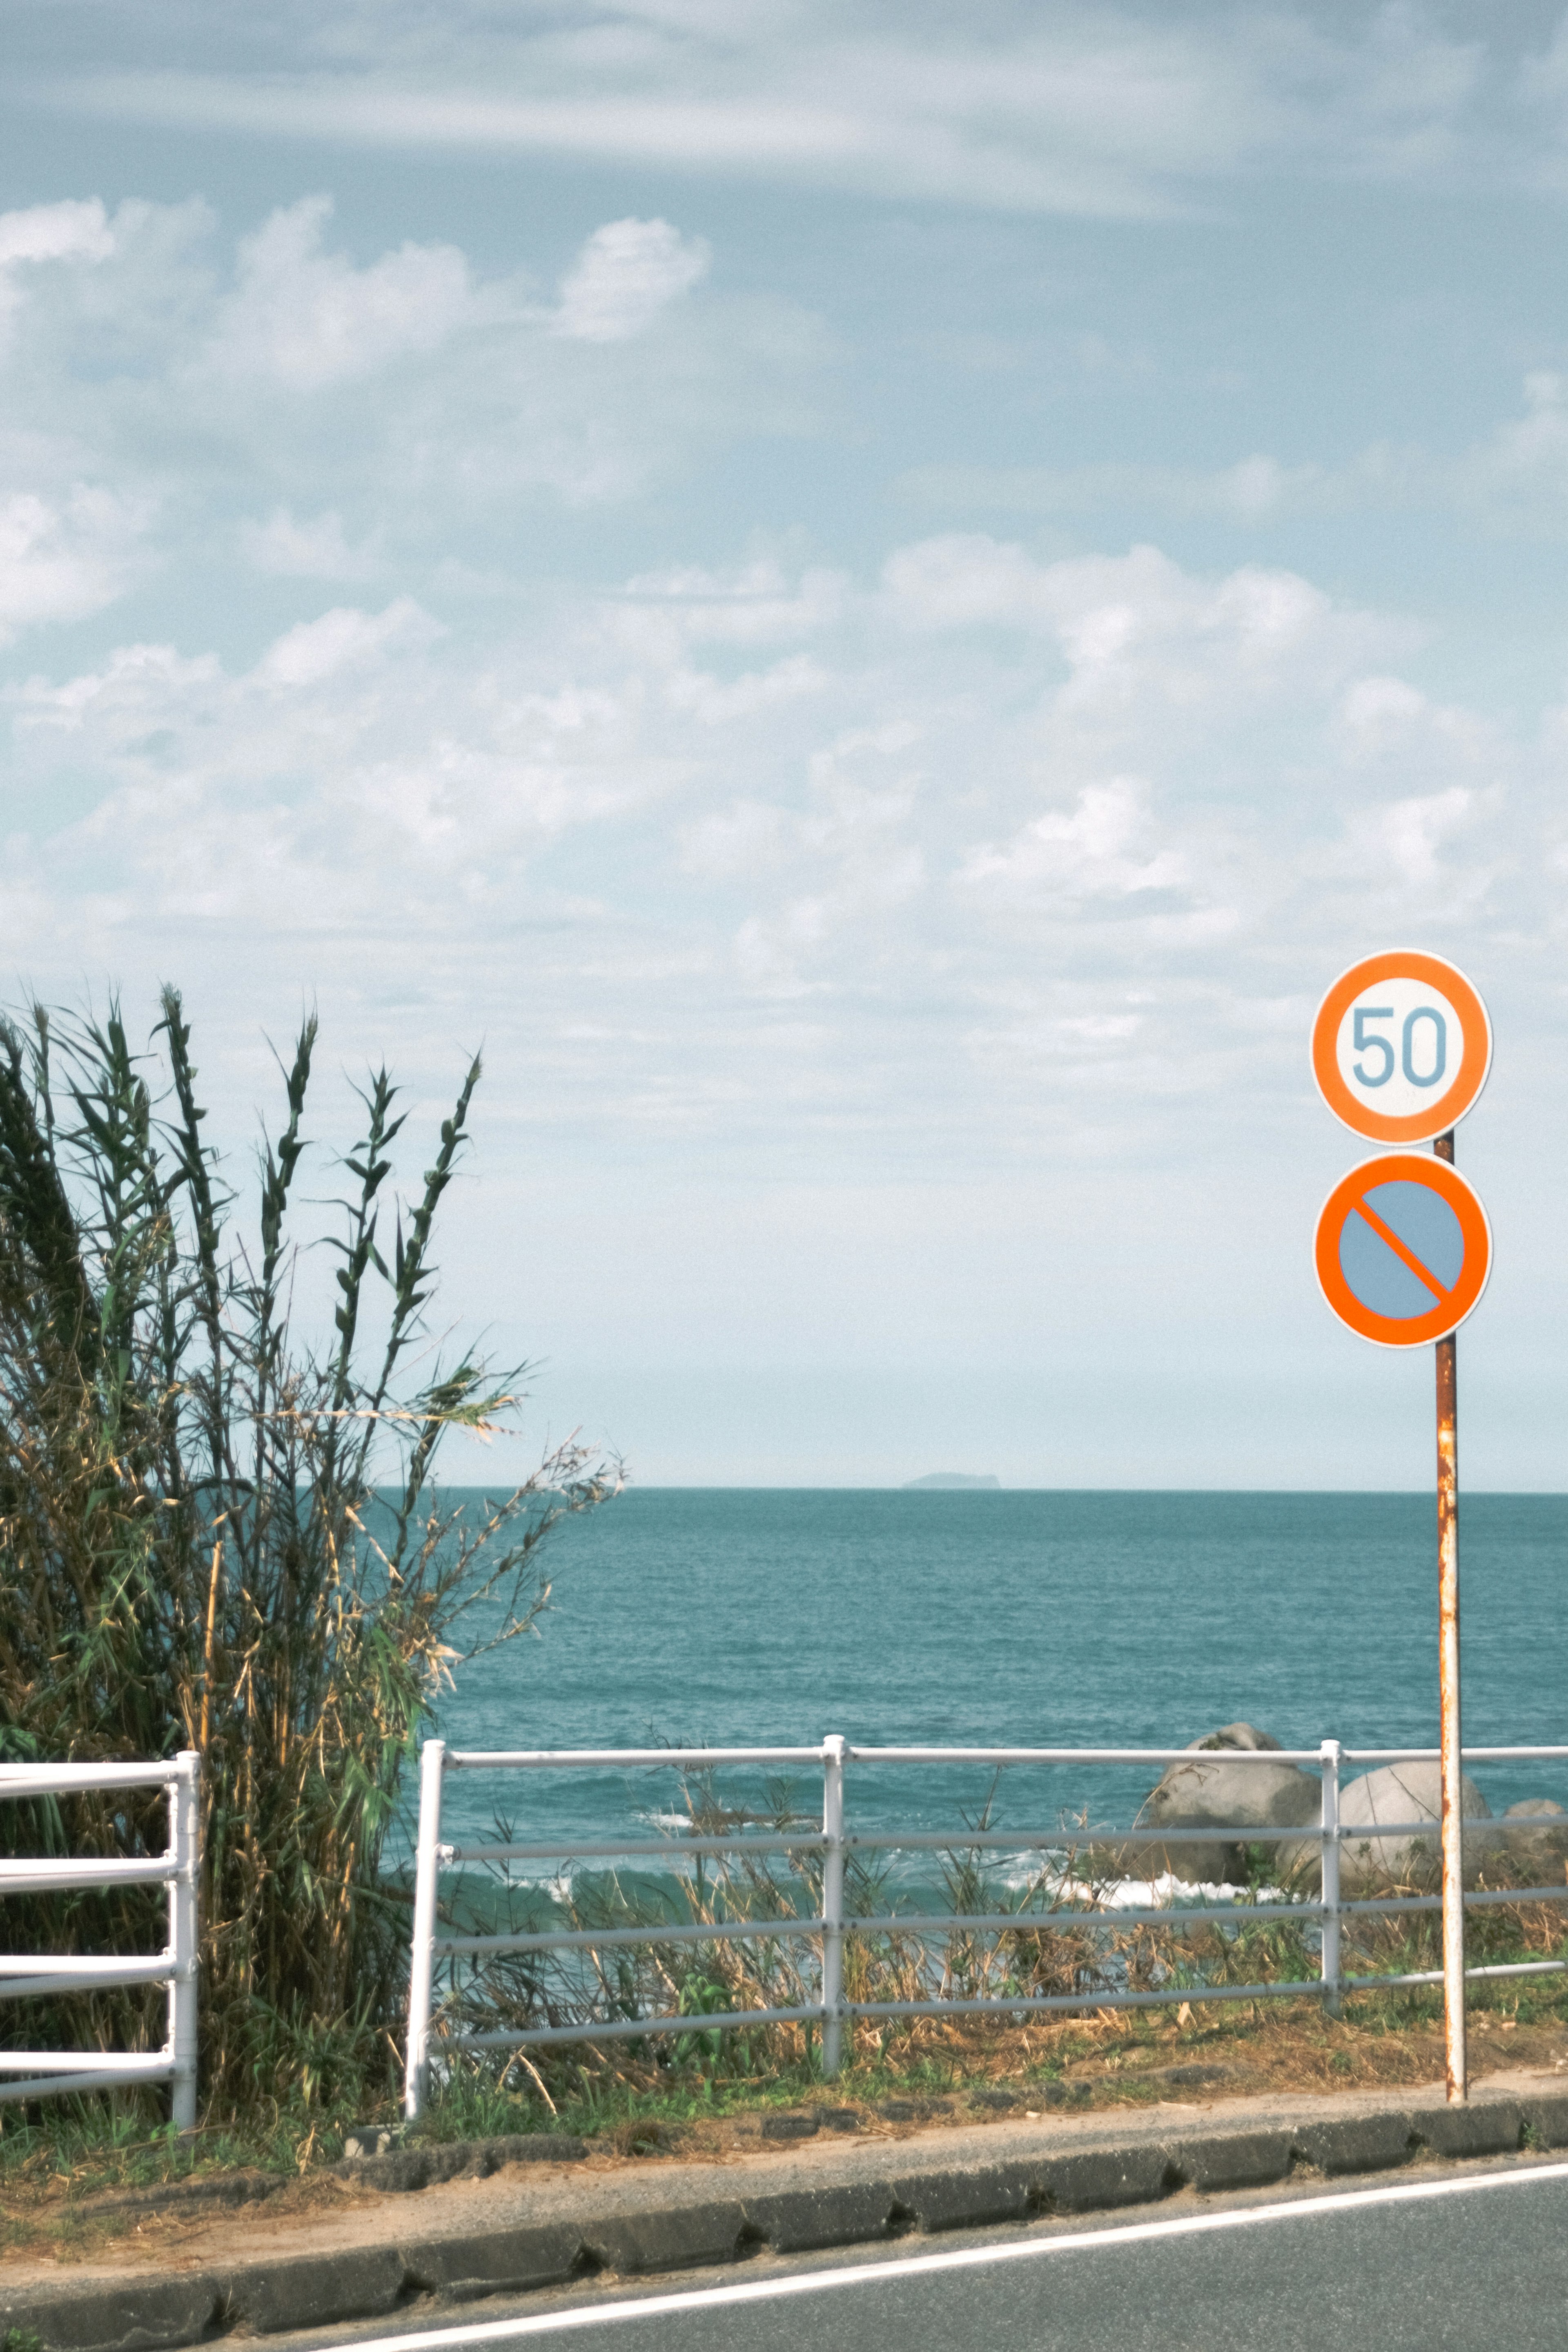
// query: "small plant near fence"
[[654, 1978], [219, 1531]]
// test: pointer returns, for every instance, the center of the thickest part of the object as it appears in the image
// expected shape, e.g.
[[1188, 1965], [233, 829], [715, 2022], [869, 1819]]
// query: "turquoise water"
[[725, 1615]]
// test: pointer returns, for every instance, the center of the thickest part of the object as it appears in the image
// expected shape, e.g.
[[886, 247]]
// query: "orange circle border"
[[1360, 1117], [1397, 1330]]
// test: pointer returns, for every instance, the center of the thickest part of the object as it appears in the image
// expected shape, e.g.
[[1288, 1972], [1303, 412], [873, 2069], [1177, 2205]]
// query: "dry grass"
[[1077, 1952], [632, 2109]]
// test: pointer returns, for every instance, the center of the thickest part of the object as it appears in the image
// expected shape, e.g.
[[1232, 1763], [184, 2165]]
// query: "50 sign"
[[1401, 1047], [1367, 1040]]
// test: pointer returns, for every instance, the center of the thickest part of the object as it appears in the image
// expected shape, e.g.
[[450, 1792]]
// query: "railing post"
[[1331, 1753], [184, 1891], [421, 1957], [832, 1901]]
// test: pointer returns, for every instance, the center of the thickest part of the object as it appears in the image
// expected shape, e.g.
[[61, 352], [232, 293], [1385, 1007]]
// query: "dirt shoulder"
[[1105, 2081]]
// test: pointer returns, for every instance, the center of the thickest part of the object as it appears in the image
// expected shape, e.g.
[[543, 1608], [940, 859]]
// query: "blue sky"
[[875, 599]]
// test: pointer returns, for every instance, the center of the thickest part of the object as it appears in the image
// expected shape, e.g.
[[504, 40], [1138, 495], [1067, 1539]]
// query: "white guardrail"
[[43, 2073], [834, 1842]]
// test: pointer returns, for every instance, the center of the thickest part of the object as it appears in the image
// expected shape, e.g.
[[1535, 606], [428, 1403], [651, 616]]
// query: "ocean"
[[746, 1617]]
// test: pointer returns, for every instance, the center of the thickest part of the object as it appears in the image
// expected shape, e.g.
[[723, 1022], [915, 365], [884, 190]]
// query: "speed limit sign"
[[1401, 1047]]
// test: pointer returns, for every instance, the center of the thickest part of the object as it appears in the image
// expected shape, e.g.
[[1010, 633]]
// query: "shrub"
[[214, 1534]]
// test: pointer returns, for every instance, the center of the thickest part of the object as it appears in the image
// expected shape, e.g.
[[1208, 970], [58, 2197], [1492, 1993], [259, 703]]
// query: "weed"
[[195, 1551]]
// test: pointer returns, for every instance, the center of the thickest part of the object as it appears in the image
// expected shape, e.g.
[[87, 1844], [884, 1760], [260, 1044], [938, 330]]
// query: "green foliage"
[[214, 1535]]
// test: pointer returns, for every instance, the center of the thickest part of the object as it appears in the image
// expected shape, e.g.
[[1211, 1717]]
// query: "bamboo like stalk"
[[192, 1539]]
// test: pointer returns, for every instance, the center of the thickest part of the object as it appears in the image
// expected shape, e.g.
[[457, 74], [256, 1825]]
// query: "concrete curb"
[[633, 2223]]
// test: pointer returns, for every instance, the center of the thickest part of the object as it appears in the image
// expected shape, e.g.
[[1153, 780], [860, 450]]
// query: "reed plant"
[[219, 1530]]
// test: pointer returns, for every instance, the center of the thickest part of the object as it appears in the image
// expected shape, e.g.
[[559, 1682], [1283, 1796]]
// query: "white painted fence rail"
[[42, 2074], [834, 1841]]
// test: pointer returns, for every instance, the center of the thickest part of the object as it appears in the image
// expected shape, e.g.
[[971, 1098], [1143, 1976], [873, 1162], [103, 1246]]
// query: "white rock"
[[1542, 1848], [1370, 1865], [1217, 1792]]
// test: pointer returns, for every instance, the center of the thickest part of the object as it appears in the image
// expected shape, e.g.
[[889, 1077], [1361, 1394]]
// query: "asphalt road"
[[1445, 2263]]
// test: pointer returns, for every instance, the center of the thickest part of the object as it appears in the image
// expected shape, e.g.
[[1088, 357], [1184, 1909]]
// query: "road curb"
[[620, 2224]]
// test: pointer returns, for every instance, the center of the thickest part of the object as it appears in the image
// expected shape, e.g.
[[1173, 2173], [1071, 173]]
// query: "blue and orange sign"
[[1403, 1249]]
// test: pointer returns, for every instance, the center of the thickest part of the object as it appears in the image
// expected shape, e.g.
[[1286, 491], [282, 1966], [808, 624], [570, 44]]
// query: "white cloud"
[[626, 274], [305, 319], [68, 231], [60, 562], [946, 911], [1518, 478], [315, 548], [1405, 843], [1254, 490], [1098, 846], [1081, 110], [1117, 619], [714, 700], [329, 417], [755, 604], [343, 639], [71, 231], [1512, 481]]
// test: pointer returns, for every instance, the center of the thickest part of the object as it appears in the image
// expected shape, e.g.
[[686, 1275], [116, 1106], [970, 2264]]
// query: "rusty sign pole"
[[1453, 1807]]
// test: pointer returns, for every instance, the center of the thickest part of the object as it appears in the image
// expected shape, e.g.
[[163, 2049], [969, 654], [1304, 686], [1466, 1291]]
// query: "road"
[[1443, 2262]]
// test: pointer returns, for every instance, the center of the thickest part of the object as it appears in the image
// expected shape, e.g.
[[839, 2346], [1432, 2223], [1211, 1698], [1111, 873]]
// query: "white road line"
[[711, 2298]]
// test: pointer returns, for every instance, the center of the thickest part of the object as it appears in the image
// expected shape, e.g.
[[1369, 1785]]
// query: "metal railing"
[[42, 2074], [834, 1842]]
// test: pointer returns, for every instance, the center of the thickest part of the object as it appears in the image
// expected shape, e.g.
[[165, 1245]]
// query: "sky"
[[872, 599]]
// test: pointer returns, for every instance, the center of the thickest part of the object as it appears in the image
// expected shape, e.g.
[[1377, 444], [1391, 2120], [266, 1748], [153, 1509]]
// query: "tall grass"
[[656, 1976], [220, 1532]]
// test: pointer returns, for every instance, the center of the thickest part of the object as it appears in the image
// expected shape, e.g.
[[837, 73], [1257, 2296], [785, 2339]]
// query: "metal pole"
[[185, 1840], [422, 1958], [1330, 1842], [1453, 1807], [832, 1901]]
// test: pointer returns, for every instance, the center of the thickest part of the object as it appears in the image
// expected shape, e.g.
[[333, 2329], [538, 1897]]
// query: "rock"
[[1220, 1793], [1237, 1735], [1402, 1793], [1542, 1849]]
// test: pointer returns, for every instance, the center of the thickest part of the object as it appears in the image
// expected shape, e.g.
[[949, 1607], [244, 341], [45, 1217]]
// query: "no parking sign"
[[1403, 1249]]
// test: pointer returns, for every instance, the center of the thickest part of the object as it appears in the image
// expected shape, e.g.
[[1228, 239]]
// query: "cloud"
[[312, 549], [1517, 480], [1255, 489], [627, 273], [1405, 843], [343, 639], [1082, 111], [304, 320], [329, 414], [1111, 618], [59, 563], [769, 849], [70, 231], [1095, 847], [1513, 482]]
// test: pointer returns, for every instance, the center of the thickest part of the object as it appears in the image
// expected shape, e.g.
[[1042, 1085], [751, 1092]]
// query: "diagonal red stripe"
[[1387, 1233]]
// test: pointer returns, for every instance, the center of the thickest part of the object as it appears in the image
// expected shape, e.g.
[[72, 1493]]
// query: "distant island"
[[949, 1479]]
